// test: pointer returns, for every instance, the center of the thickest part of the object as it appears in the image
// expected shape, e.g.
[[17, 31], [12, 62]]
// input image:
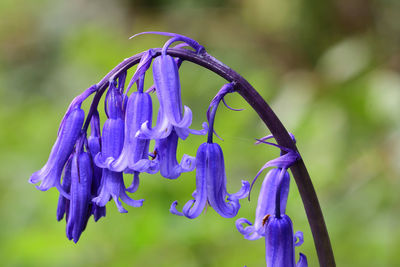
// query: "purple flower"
[[266, 203], [280, 243], [79, 206], [94, 144], [143, 66], [135, 151], [211, 186], [111, 145], [271, 221], [113, 129], [50, 174], [166, 79], [134, 155], [210, 176], [138, 110], [166, 157]]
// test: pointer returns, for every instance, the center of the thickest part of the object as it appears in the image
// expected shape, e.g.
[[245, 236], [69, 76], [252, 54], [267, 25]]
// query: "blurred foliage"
[[330, 69]]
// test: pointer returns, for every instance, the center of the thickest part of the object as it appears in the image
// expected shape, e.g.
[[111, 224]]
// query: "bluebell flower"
[[79, 205], [171, 122], [50, 174], [165, 150], [68, 132], [94, 144], [266, 203], [135, 151], [211, 186], [211, 177], [111, 147], [168, 89], [271, 222], [280, 243]]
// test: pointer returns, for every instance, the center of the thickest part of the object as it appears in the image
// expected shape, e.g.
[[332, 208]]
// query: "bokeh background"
[[330, 69]]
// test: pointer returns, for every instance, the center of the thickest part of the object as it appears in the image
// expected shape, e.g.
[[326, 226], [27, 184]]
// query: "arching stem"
[[281, 135]]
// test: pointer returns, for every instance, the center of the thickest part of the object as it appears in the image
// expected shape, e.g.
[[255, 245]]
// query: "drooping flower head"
[[172, 122], [211, 186], [271, 222], [69, 130], [211, 179], [269, 189], [279, 239], [168, 89], [266, 203], [111, 147], [135, 152], [80, 202], [280, 243]]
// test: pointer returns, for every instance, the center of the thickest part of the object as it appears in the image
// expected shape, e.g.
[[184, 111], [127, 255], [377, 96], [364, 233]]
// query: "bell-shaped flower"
[[211, 186], [113, 129], [266, 203], [79, 205], [94, 143], [168, 89], [135, 152], [139, 110], [111, 146], [50, 174], [280, 243], [165, 150]]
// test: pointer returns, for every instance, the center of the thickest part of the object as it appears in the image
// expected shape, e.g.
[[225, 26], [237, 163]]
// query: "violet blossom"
[[211, 177], [111, 146], [88, 172]]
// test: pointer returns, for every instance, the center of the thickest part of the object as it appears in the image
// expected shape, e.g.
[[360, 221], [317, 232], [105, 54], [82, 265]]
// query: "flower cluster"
[[88, 170], [271, 222]]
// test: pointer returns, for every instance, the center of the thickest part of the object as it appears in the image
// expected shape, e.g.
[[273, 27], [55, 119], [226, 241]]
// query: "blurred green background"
[[330, 69]]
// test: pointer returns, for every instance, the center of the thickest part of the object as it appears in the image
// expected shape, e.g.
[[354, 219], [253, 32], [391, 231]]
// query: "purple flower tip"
[[266, 203], [211, 186], [279, 243], [50, 174], [79, 205]]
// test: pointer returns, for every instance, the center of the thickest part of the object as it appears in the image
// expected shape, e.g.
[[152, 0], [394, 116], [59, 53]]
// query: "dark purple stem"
[[281, 135]]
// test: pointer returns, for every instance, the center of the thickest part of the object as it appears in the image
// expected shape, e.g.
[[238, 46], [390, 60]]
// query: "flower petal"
[[166, 157], [166, 80], [214, 172], [139, 110], [81, 181], [279, 242], [302, 261], [267, 197], [50, 174], [113, 186]]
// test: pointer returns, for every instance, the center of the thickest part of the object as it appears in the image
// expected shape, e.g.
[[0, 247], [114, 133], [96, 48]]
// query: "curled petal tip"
[[173, 209], [302, 261], [298, 238], [243, 192]]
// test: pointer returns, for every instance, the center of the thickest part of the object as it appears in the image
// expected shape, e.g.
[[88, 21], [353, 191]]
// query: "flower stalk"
[[244, 88], [267, 115]]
